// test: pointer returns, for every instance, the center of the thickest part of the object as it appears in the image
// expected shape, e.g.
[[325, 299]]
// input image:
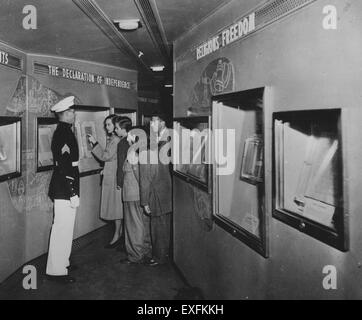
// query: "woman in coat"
[[111, 200]]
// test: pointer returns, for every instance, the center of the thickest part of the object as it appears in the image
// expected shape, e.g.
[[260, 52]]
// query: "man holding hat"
[[64, 191]]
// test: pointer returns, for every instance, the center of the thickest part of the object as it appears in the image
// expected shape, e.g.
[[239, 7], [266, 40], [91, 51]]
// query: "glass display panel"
[[239, 193], [309, 173], [89, 121], [10, 148], [45, 131], [192, 149]]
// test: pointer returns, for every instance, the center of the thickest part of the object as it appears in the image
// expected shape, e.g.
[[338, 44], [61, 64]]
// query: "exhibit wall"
[[306, 65], [12, 193], [26, 211]]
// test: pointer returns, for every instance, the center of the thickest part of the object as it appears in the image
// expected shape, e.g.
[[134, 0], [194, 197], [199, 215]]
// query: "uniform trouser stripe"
[[61, 237]]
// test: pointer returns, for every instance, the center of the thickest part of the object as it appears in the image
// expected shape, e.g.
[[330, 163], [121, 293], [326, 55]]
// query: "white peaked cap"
[[63, 104]]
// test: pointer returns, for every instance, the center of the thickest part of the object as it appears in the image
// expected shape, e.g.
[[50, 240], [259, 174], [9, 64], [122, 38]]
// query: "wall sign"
[[150, 100], [9, 60], [73, 74], [229, 35], [265, 14]]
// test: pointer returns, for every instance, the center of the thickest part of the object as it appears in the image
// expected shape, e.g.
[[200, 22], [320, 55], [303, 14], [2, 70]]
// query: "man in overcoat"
[[156, 196]]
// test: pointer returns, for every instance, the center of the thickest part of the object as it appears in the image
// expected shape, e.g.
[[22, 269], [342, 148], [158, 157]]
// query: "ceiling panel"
[[179, 16], [63, 29], [140, 39]]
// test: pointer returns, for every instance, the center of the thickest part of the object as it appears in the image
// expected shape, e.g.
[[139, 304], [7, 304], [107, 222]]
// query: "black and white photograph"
[[166, 151]]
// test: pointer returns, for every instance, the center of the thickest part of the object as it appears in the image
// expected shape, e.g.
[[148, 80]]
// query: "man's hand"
[[147, 209], [74, 202], [118, 188]]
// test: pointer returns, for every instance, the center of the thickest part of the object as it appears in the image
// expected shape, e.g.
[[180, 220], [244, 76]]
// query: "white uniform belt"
[[74, 164]]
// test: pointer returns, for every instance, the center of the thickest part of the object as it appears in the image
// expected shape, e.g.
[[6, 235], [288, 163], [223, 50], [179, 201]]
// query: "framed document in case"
[[191, 151], [10, 148], [241, 192], [44, 134], [89, 120], [309, 174]]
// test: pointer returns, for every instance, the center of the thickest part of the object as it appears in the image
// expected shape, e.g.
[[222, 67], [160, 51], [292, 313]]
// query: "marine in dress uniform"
[[64, 191]]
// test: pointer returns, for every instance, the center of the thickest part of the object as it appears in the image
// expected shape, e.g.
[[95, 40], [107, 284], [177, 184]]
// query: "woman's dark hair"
[[112, 117], [124, 122]]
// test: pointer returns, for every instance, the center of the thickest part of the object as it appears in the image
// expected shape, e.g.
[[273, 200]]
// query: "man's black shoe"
[[72, 267], [151, 263], [61, 279], [126, 261], [121, 248]]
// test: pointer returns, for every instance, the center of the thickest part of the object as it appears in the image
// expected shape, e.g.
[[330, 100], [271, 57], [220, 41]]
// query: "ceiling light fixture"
[[128, 24], [168, 85], [140, 54], [158, 68]]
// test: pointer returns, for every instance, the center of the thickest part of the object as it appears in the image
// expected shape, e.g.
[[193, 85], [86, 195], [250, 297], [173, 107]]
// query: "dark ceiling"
[[83, 29]]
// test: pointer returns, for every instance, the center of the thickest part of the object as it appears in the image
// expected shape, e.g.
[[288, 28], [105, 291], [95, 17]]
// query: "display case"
[[129, 113], [241, 198], [309, 174], [44, 134], [89, 120], [10, 148], [192, 146]]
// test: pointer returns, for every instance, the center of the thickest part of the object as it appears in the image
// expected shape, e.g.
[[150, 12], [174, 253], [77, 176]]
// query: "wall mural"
[[17, 104], [217, 78], [41, 98], [203, 207]]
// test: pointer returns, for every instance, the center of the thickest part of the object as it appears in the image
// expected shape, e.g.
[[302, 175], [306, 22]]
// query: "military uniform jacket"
[[65, 180]]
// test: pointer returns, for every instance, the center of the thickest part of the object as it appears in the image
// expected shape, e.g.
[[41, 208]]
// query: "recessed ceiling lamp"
[[158, 68], [168, 86], [128, 24]]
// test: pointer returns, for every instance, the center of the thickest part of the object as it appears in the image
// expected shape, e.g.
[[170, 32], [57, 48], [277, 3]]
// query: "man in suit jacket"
[[156, 197], [122, 149]]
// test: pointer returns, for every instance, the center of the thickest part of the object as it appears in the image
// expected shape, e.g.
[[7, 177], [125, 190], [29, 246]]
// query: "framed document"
[[44, 134], [252, 161], [192, 145], [309, 174], [10, 148], [240, 198], [89, 120]]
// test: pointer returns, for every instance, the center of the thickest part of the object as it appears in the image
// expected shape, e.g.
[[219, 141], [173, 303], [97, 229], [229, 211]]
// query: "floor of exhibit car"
[[100, 275]]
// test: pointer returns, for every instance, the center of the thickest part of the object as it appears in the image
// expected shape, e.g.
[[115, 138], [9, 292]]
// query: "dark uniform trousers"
[[63, 185]]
